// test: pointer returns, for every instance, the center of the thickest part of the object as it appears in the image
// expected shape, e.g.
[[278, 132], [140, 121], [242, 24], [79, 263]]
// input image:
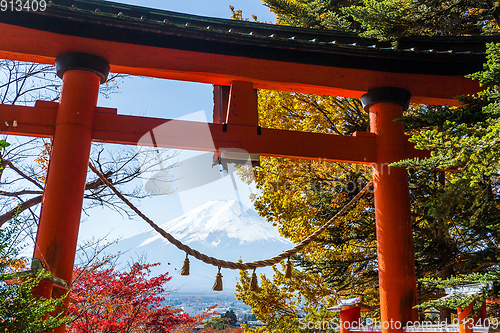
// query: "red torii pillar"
[[57, 234], [396, 262]]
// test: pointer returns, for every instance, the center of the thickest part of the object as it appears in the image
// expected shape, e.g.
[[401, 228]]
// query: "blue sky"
[[212, 8], [173, 100]]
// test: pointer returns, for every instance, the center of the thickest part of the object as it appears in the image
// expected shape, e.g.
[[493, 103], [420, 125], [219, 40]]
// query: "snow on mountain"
[[223, 229], [216, 219]]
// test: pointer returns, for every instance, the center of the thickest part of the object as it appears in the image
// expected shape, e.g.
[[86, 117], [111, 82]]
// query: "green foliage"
[[469, 144], [230, 316], [383, 19], [393, 19], [320, 14], [217, 323], [463, 300], [3, 144], [20, 310], [490, 276], [462, 207], [390, 19], [456, 226]]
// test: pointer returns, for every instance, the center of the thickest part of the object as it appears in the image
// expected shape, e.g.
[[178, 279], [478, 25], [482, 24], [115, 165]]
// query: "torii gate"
[[88, 38]]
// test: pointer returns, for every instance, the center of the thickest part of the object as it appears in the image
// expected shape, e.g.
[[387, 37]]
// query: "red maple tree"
[[108, 300]]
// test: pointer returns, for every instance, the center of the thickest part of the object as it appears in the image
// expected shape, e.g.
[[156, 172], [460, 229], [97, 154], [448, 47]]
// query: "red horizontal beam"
[[36, 121], [133, 130], [208, 137], [17, 43]]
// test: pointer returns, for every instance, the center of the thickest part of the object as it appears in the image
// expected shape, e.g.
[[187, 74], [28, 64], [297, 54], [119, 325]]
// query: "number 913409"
[[26, 5]]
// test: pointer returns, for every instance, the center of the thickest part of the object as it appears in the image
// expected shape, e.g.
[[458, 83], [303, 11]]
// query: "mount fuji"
[[223, 229]]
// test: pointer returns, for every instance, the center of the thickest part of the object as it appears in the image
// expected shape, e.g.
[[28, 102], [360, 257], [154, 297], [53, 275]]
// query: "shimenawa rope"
[[230, 264]]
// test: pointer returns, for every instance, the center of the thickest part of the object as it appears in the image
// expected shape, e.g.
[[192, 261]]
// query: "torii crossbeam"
[[88, 38]]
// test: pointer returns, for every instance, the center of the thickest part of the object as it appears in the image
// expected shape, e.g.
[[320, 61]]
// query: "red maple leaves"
[[108, 300]]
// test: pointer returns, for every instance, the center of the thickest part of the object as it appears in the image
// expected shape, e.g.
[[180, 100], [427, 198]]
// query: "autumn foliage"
[[108, 300], [43, 161]]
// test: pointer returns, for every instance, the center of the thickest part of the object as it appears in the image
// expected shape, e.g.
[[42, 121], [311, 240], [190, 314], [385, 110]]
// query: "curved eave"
[[211, 54]]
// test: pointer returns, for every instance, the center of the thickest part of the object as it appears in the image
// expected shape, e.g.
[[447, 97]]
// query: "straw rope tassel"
[[254, 284], [218, 282], [185, 266], [288, 271]]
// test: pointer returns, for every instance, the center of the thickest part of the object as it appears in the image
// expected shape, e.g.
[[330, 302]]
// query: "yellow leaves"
[[238, 15], [43, 161], [14, 265], [279, 300], [310, 113], [299, 196], [292, 194], [292, 191]]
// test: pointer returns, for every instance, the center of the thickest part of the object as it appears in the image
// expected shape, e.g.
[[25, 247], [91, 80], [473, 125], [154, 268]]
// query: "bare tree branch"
[[38, 199], [20, 208], [19, 193], [22, 174]]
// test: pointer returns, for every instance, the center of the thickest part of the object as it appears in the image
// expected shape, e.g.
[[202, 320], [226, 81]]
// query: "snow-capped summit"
[[223, 229], [218, 220]]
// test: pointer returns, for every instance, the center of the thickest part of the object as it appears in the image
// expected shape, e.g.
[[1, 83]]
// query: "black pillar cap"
[[83, 61], [387, 95]]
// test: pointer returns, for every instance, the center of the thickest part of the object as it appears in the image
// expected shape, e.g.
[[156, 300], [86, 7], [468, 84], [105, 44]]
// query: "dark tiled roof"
[[137, 25]]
